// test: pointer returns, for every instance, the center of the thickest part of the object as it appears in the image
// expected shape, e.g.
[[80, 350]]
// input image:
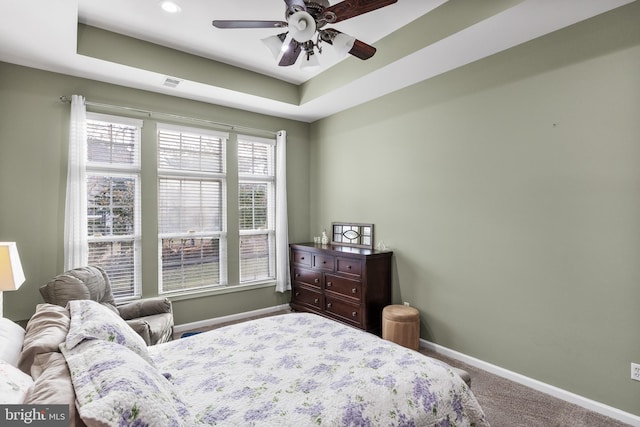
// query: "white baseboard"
[[556, 392], [231, 318]]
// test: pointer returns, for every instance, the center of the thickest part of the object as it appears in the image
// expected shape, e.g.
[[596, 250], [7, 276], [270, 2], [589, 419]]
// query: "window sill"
[[184, 295]]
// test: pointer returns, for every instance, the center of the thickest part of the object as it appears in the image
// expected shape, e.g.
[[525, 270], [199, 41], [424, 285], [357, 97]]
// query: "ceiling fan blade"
[[235, 23], [349, 8], [362, 50], [343, 41], [295, 6], [290, 55]]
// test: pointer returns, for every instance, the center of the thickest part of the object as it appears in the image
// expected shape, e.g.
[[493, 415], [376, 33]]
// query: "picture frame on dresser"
[[347, 284], [352, 234]]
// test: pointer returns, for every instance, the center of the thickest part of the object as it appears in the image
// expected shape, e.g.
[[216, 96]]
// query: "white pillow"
[[91, 320], [14, 384], [11, 339]]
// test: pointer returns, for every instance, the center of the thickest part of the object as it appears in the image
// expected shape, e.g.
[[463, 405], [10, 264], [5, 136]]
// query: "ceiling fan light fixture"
[[302, 26], [274, 44], [305, 21], [311, 63], [343, 43]]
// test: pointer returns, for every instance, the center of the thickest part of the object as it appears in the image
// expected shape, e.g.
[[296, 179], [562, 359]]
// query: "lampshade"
[[274, 44], [311, 63], [11, 274], [343, 43]]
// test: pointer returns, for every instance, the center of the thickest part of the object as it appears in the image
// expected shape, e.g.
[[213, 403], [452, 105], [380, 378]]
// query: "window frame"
[[119, 170], [184, 175], [269, 179]]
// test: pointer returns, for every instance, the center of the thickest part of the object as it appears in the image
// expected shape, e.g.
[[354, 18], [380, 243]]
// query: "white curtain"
[[282, 231], [75, 218]]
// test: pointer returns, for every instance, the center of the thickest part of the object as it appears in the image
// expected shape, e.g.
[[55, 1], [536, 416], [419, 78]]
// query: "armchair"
[[151, 318]]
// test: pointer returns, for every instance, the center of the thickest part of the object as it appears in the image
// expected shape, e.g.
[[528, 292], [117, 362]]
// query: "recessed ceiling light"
[[170, 7]]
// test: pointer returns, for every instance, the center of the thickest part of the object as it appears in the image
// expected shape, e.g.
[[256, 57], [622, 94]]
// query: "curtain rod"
[[149, 113]]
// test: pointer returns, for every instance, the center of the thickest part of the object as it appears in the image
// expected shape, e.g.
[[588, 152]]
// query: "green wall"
[[509, 191], [33, 154]]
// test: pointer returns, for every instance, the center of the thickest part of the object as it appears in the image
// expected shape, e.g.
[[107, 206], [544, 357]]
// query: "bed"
[[295, 369]]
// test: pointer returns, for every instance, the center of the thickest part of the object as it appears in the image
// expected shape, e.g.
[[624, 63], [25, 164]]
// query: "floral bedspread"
[[301, 370]]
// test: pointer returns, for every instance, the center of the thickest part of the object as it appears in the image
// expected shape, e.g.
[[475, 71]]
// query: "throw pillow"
[[11, 337], [46, 329], [91, 320], [14, 384], [114, 386]]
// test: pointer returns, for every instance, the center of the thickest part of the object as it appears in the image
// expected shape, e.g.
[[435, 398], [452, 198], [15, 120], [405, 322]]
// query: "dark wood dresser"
[[347, 284]]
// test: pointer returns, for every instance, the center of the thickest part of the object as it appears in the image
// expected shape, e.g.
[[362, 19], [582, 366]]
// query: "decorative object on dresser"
[[348, 284], [352, 234]]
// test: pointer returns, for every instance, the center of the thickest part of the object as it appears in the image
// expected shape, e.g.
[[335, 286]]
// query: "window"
[[113, 194], [256, 204], [191, 208]]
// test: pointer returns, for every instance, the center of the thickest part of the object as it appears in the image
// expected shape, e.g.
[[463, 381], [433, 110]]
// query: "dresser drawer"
[[306, 296], [343, 310], [323, 262], [310, 277], [349, 266], [302, 258], [346, 287]]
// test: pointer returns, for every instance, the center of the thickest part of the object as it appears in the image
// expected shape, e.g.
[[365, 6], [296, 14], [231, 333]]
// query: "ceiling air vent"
[[171, 82]]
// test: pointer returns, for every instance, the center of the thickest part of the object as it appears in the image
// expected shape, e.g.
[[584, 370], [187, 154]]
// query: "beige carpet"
[[509, 404]]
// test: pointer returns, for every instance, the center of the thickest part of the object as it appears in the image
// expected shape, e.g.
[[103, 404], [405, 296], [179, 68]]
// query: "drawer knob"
[[316, 300], [317, 280], [324, 262], [348, 267], [297, 274], [297, 294], [301, 257], [354, 314], [329, 305], [329, 284], [354, 290]]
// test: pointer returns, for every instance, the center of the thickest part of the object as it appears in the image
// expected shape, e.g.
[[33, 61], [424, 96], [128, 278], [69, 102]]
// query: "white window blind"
[[191, 208], [113, 200], [256, 203]]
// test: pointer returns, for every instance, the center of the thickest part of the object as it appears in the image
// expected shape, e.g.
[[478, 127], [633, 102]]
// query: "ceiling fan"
[[306, 21]]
